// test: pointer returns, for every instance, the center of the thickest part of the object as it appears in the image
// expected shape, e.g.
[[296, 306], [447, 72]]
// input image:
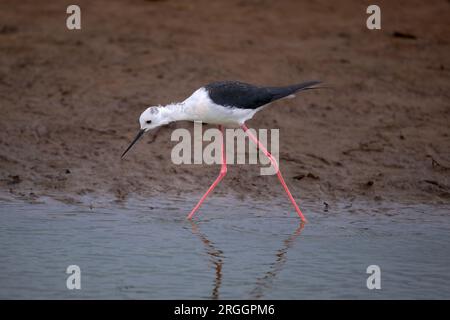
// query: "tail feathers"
[[281, 92]]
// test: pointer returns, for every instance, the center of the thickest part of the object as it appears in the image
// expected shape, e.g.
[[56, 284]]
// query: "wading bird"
[[226, 103]]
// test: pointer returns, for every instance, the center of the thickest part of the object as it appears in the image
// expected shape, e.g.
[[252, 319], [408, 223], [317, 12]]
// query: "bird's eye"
[[148, 121]]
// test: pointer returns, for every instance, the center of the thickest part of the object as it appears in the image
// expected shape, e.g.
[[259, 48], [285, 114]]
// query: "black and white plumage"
[[246, 96], [228, 103]]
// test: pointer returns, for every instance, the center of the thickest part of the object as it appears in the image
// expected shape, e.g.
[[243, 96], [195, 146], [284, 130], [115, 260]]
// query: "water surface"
[[236, 249]]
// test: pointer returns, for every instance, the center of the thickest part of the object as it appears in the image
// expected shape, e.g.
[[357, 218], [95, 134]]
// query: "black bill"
[[138, 136]]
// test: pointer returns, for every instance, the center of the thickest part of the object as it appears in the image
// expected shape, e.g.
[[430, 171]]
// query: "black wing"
[[246, 96]]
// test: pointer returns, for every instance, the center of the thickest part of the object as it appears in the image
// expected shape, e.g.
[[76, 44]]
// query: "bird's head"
[[151, 118]]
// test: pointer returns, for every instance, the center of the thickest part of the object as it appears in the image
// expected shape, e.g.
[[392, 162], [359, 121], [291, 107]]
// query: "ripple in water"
[[235, 249]]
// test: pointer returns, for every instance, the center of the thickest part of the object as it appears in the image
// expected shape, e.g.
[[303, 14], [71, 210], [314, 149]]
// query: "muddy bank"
[[69, 100]]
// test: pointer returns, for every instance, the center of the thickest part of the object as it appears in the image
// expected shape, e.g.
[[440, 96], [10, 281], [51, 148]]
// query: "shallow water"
[[234, 250]]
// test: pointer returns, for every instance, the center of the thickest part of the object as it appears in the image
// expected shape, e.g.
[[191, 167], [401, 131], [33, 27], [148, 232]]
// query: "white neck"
[[186, 110], [173, 112]]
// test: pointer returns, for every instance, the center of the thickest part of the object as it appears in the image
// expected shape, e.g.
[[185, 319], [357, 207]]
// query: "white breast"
[[200, 107]]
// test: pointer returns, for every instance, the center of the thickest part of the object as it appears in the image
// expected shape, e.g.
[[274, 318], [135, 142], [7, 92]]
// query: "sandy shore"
[[69, 100]]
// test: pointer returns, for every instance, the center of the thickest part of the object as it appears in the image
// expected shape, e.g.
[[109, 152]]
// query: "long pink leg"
[[223, 172], [274, 163]]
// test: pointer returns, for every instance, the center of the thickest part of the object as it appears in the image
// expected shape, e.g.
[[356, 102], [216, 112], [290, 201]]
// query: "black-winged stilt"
[[226, 103]]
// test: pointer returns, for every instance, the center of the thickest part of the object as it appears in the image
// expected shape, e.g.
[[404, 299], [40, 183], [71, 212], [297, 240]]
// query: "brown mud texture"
[[70, 99]]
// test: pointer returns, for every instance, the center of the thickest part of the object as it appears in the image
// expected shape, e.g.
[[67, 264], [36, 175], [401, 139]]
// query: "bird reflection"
[[216, 257], [262, 283], [265, 281]]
